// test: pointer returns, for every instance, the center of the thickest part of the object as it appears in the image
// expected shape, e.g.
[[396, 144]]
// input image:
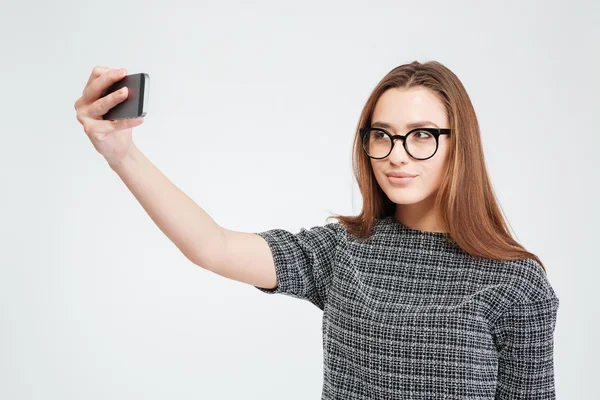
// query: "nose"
[[398, 154]]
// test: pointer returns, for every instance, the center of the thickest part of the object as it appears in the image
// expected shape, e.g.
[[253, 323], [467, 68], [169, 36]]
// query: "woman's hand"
[[111, 138]]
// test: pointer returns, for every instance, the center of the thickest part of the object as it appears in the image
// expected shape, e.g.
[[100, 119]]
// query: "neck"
[[419, 216]]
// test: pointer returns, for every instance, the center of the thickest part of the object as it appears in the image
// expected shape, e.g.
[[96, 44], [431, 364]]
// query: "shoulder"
[[317, 234], [328, 231], [525, 281]]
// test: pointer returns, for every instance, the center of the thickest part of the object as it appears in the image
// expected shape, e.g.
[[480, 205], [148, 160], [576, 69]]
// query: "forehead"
[[400, 106]]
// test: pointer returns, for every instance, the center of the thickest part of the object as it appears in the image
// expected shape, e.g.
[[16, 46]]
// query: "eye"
[[422, 135], [377, 134]]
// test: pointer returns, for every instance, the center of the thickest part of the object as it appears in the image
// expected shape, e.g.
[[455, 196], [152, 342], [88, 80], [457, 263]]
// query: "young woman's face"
[[399, 108]]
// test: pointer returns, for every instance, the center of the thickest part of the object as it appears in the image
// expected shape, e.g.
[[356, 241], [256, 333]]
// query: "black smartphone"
[[136, 104]]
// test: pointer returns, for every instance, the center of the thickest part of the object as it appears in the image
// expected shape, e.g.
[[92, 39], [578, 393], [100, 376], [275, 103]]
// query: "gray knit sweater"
[[408, 315]]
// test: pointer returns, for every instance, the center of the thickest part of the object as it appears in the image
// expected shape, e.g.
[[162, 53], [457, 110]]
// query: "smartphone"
[[136, 104]]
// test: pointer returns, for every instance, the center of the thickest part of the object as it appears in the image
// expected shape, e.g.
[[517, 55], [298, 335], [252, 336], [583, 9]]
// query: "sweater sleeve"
[[303, 261], [524, 336]]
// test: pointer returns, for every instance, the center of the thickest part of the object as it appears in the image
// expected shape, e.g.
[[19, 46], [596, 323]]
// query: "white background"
[[252, 112]]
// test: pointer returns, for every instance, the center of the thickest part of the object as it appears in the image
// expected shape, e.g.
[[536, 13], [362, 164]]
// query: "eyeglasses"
[[419, 143]]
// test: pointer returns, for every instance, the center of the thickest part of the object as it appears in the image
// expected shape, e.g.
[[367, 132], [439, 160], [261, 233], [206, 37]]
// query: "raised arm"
[[241, 256]]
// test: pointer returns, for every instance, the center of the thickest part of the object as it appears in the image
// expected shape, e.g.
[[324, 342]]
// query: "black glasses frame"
[[436, 132]]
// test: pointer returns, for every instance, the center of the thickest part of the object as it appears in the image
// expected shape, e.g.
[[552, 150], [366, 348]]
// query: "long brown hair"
[[469, 209]]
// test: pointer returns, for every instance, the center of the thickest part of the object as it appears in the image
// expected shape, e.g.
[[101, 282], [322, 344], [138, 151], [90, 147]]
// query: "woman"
[[425, 294]]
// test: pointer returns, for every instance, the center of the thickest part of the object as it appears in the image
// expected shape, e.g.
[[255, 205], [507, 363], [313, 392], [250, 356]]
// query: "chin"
[[405, 196], [410, 194]]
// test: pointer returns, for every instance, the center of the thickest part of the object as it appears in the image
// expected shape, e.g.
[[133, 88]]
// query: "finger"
[[101, 106], [101, 127], [96, 72], [94, 89]]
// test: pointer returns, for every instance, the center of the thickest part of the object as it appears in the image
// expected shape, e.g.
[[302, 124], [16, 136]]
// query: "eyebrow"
[[411, 125]]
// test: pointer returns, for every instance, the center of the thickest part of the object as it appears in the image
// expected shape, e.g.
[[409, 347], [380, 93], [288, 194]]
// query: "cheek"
[[376, 166], [432, 172], [434, 168], [380, 167]]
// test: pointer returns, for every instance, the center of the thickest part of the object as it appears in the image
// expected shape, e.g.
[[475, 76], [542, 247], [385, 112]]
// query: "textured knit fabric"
[[407, 314]]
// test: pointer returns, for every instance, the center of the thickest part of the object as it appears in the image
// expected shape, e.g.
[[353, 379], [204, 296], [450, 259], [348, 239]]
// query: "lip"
[[401, 181], [400, 174]]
